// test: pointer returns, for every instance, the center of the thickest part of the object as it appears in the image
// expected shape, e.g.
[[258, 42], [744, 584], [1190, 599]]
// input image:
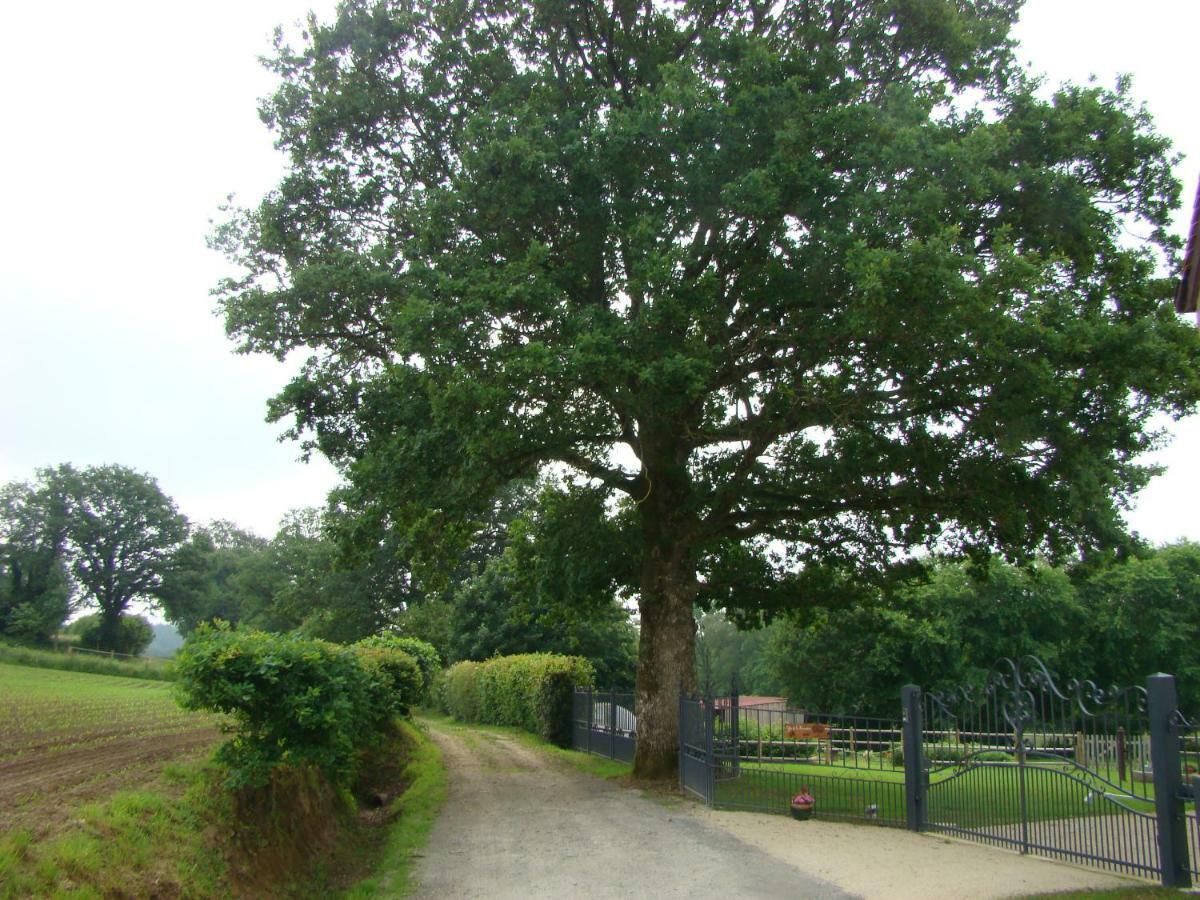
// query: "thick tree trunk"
[[666, 660], [109, 636]]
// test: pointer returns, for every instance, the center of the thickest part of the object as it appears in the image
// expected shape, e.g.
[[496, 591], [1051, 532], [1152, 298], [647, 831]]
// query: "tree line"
[[101, 538], [1113, 625]]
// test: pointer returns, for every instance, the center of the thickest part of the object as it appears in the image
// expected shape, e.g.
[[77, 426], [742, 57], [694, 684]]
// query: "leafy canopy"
[[763, 269], [798, 287]]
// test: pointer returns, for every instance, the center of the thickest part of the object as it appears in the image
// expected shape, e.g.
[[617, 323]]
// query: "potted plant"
[[802, 804]]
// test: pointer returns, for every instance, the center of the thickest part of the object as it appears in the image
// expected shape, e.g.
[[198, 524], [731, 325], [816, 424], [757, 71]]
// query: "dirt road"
[[521, 824], [518, 824]]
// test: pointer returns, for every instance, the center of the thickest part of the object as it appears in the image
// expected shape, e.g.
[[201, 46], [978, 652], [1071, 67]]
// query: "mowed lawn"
[[74, 736], [987, 793]]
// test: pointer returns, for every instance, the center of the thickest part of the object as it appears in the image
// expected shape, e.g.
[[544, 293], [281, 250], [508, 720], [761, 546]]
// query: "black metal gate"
[[603, 722], [1065, 773], [696, 756]]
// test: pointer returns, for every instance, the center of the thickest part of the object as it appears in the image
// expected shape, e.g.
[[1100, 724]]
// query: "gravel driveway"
[[519, 823]]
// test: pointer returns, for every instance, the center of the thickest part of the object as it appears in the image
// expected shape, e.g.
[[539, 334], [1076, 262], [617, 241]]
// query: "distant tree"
[[219, 572], [1143, 616], [134, 634], [949, 630], [35, 588], [537, 579], [801, 286], [122, 532], [723, 650]]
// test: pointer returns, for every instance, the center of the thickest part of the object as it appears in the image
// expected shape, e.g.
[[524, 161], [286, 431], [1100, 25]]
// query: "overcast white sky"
[[126, 123]]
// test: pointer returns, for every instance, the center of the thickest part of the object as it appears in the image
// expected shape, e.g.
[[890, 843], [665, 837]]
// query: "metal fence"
[[1102, 777], [603, 722], [1105, 777], [761, 758]]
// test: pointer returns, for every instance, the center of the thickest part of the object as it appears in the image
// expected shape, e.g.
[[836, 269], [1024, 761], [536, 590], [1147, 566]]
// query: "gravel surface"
[[519, 823]]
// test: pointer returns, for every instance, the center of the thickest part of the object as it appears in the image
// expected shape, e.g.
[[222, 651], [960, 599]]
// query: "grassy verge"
[[414, 813], [184, 835], [155, 670], [151, 842]]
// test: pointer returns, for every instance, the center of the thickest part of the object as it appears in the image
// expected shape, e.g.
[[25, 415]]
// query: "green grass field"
[[48, 711], [972, 797]]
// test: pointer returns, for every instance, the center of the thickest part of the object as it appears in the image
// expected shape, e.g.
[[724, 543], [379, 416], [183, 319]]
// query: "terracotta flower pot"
[[802, 811]]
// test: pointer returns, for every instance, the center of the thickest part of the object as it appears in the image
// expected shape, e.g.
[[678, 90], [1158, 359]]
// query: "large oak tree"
[[804, 285]]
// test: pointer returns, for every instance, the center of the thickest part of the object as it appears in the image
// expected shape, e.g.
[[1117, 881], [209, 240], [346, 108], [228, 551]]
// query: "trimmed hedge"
[[531, 690], [428, 661], [293, 700], [459, 692]]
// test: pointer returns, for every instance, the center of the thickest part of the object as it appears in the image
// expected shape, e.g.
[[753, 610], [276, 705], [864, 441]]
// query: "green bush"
[[428, 662], [134, 634], [399, 683], [294, 701], [531, 690], [459, 694]]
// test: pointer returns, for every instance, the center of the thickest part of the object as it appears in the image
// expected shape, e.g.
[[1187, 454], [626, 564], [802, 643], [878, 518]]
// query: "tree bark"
[[666, 660], [109, 635]]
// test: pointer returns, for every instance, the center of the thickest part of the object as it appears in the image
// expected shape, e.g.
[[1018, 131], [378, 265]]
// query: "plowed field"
[[67, 737]]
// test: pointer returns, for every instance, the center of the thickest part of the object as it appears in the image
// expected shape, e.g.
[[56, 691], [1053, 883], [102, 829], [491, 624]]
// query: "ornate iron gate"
[[1065, 773]]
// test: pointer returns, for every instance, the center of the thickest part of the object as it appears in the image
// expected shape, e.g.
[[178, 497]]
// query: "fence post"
[[914, 763], [735, 710], [589, 728], [1162, 703], [710, 717], [1121, 756], [612, 724], [682, 731]]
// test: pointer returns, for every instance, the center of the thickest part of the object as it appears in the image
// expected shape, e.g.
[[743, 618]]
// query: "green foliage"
[[458, 693], [429, 663], [947, 629], [35, 587], [398, 680], [132, 635], [723, 650], [797, 296], [1144, 617], [538, 582], [219, 572], [1115, 625], [531, 691], [80, 662], [122, 531], [294, 701]]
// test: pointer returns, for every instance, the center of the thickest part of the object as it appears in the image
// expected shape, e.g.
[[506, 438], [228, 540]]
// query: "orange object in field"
[[807, 731]]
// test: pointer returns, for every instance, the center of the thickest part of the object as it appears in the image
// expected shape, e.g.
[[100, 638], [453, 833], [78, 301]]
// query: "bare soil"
[[39, 789], [519, 823]]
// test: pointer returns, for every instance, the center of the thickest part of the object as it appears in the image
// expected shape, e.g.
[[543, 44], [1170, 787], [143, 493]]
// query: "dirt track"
[[518, 824], [521, 824]]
